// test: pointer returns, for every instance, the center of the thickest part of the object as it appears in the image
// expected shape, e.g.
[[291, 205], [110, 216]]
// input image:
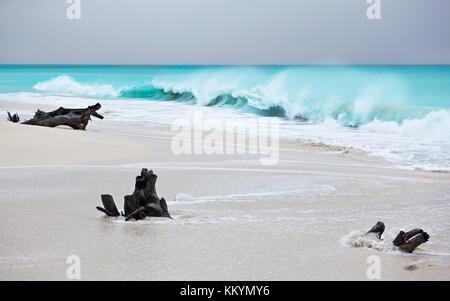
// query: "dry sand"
[[35, 146]]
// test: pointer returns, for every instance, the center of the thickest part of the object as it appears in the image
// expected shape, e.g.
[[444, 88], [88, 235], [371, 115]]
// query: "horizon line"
[[227, 65]]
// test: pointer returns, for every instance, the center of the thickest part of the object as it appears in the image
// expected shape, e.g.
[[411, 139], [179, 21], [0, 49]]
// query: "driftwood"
[[75, 118], [142, 203], [408, 241], [13, 118], [110, 207], [378, 229]]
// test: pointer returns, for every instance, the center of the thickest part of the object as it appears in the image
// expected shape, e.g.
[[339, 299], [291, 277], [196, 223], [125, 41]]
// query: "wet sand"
[[245, 221]]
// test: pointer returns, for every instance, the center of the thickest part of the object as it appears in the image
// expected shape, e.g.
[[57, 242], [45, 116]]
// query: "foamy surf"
[[362, 239]]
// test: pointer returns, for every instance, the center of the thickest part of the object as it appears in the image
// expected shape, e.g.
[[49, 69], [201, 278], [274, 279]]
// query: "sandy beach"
[[297, 220]]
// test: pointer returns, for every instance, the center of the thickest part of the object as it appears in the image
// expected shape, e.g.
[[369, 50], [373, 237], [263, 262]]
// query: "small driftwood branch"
[[77, 119], [142, 203], [110, 207], [13, 118]]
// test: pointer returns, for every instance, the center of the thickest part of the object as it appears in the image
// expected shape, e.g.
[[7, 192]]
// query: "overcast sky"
[[225, 32]]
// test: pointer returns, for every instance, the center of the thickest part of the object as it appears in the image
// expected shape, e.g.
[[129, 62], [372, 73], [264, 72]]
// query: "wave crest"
[[66, 85]]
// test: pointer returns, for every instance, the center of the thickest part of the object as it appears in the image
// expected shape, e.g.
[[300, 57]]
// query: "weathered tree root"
[[77, 119], [408, 241], [142, 203]]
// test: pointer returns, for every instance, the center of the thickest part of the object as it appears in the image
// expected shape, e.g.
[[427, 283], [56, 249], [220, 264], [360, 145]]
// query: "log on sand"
[[77, 119]]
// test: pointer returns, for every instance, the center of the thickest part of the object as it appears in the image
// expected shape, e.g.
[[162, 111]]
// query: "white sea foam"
[[183, 197], [359, 239]]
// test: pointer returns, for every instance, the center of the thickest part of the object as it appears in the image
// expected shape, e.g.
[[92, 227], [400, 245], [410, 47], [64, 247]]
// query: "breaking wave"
[[270, 100], [399, 113]]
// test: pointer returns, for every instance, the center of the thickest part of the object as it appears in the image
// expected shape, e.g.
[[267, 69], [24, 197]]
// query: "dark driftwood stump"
[[408, 241], [77, 119], [142, 203]]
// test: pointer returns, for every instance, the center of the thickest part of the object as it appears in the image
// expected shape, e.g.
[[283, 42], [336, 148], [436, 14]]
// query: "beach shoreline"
[[245, 221]]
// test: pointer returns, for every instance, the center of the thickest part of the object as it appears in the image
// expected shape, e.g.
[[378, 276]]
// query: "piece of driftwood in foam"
[[378, 229], [407, 242]]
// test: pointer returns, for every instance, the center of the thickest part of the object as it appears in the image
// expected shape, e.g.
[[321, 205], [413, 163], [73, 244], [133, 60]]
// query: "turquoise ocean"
[[401, 113]]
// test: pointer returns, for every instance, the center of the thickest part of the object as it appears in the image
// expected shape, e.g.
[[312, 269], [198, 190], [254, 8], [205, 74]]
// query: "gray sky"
[[225, 32]]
